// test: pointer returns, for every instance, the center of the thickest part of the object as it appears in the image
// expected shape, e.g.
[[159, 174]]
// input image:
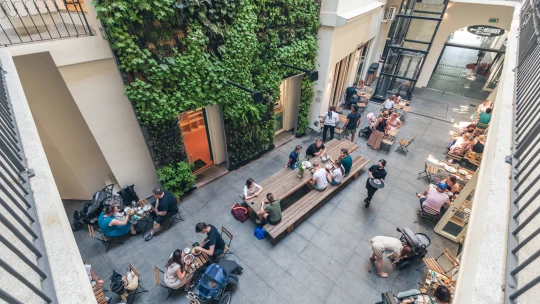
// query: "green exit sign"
[[493, 20]]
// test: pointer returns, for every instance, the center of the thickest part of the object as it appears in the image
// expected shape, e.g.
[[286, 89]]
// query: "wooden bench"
[[309, 201]]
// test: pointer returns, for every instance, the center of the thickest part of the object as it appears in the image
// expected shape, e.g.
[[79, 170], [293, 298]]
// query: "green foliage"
[[176, 178], [177, 59]]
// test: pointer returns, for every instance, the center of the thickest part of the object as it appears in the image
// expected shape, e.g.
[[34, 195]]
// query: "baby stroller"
[[418, 242], [91, 211], [214, 281], [389, 297]]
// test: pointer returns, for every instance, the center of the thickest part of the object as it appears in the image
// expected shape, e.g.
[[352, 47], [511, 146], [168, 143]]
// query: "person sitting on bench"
[[164, 205], [318, 182], [293, 158], [316, 149], [350, 94], [345, 159], [270, 211], [434, 198], [213, 245], [335, 173]]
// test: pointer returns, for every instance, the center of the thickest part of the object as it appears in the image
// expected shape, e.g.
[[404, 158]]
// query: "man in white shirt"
[[318, 181], [389, 103], [331, 120]]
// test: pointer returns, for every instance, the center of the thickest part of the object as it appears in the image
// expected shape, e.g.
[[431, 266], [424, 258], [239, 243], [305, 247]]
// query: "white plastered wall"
[[459, 15], [75, 159]]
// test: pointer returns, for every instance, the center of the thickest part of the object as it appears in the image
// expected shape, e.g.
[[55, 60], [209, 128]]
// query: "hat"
[[442, 185]]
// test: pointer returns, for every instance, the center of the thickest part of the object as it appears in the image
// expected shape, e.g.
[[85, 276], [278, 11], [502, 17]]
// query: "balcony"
[[42, 20]]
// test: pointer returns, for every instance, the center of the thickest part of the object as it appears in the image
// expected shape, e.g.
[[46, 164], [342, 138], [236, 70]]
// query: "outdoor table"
[[462, 179], [144, 218], [286, 181], [199, 262]]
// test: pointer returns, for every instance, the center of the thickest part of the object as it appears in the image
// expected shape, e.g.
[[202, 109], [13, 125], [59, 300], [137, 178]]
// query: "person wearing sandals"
[[175, 275], [270, 211], [380, 244]]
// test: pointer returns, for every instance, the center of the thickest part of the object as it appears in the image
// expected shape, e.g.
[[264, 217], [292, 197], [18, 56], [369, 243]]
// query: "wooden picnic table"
[[286, 181]]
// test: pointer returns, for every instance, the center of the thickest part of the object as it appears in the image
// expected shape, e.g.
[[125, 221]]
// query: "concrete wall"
[[76, 159], [98, 91], [460, 14], [335, 43]]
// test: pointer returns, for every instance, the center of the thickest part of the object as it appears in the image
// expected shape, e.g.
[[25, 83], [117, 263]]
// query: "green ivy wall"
[[176, 57]]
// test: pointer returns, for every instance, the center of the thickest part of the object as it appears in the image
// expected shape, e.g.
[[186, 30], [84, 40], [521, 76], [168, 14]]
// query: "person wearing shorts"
[[352, 123], [270, 211], [318, 181], [164, 205], [380, 244], [335, 173]]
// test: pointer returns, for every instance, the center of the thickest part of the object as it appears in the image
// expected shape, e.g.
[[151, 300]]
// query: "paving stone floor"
[[325, 259]]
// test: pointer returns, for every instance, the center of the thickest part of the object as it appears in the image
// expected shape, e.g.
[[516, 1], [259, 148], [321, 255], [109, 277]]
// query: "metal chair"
[[157, 277], [107, 240], [404, 144], [226, 250], [135, 292], [177, 216]]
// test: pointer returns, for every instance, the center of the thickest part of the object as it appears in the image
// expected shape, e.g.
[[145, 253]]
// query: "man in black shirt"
[[213, 245], [316, 149], [164, 206]]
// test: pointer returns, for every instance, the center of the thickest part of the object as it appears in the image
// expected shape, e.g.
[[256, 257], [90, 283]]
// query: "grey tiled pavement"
[[325, 259]]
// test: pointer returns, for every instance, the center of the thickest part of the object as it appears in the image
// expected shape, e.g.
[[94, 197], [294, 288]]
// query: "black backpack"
[[117, 285], [128, 195]]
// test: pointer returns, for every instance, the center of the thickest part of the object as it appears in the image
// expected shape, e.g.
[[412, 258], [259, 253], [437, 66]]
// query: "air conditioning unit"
[[390, 13]]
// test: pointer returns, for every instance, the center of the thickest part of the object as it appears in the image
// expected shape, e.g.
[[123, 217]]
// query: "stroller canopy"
[[213, 281]]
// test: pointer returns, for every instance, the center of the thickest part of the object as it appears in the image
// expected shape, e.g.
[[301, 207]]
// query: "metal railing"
[[22, 256], [23, 21], [524, 226]]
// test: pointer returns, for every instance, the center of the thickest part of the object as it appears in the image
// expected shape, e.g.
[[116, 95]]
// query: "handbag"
[[239, 213], [117, 284]]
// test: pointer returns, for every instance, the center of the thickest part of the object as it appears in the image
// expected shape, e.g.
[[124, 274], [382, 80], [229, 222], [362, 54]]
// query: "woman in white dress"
[[175, 275]]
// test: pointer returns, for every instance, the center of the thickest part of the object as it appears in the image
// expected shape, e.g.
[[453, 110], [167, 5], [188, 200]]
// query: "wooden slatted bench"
[[309, 201]]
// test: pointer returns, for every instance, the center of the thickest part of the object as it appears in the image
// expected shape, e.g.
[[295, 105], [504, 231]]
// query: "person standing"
[[331, 120], [353, 121], [376, 137], [375, 172]]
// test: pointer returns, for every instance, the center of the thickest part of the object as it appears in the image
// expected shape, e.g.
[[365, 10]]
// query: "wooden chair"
[[404, 144], [473, 158], [480, 129], [107, 240], [226, 250], [434, 265], [98, 293], [135, 292], [454, 156], [177, 216], [157, 277], [429, 171]]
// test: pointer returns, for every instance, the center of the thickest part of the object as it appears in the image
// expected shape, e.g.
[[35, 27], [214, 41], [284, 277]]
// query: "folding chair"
[[226, 250], [480, 129], [134, 293], [157, 277], [434, 265], [429, 171], [176, 216], [404, 144], [107, 240]]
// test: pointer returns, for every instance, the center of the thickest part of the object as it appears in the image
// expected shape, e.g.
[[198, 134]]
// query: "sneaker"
[[258, 222], [149, 237], [367, 204]]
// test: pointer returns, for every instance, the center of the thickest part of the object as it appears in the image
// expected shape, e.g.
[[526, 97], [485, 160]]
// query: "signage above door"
[[485, 30]]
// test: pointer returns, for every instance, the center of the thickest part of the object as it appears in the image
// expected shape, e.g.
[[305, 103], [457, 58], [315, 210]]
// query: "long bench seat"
[[311, 200]]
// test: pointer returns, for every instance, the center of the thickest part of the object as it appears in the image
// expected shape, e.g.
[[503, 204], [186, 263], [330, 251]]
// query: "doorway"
[[341, 73], [193, 125], [469, 65]]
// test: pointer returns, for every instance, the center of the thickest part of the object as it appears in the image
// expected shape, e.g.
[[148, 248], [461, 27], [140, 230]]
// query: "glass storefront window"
[[390, 85], [421, 30]]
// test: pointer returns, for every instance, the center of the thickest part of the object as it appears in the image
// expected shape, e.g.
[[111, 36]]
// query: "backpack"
[[259, 233], [117, 285], [239, 213], [128, 195]]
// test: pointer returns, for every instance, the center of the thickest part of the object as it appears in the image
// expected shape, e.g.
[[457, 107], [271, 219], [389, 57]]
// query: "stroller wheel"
[[225, 298]]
